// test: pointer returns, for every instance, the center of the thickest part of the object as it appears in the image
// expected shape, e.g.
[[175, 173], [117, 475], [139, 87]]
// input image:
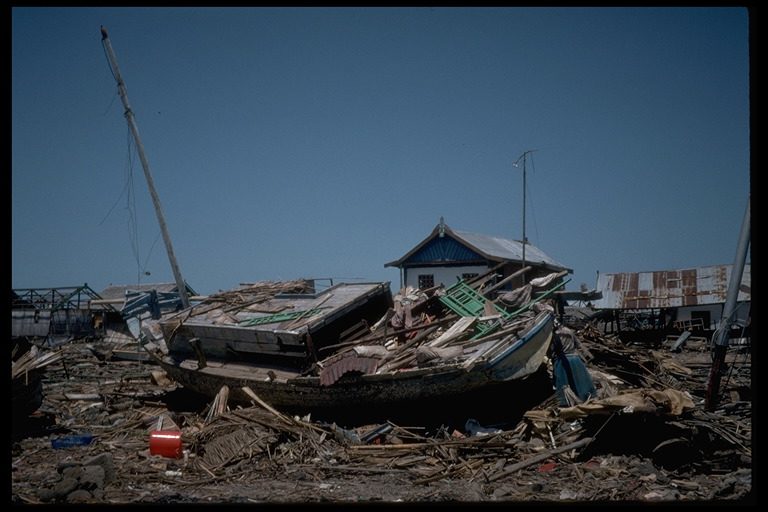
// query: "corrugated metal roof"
[[670, 288], [504, 248], [490, 247]]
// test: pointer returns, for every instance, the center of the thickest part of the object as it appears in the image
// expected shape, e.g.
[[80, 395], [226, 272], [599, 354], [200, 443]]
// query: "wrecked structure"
[[645, 438], [119, 312], [53, 315], [649, 306]]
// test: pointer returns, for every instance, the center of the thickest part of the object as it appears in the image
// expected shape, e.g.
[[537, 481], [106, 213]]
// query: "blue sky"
[[325, 142]]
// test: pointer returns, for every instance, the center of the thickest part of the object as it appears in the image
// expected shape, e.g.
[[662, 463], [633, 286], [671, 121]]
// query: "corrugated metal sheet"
[[504, 248], [352, 363], [30, 322], [670, 288]]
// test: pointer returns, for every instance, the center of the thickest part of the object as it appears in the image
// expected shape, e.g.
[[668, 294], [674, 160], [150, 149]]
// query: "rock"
[[79, 496], [499, 493], [64, 487], [92, 478], [45, 494], [662, 495], [106, 462], [67, 464], [653, 496], [73, 472]]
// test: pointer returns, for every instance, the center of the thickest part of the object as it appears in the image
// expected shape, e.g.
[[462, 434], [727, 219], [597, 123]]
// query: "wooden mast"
[[180, 284]]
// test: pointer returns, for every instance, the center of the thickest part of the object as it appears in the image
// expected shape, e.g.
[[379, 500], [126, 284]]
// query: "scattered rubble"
[[645, 437]]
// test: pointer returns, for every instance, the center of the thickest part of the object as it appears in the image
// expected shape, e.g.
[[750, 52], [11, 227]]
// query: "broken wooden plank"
[[82, 396], [679, 343], [219, 404], [504, 281], [540, 457], [453, 332], [248, 391]]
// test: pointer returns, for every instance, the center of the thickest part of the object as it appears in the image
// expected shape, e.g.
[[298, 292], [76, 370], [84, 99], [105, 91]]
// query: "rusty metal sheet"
[[670, 288], [351, 363]]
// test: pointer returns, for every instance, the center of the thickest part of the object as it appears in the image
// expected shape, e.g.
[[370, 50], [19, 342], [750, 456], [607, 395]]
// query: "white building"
[[447, 255]]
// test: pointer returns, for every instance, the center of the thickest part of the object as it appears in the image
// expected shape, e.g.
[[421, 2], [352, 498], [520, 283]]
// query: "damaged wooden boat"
[[351, 346]]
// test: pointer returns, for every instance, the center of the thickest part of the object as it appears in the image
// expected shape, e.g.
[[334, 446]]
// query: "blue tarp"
[[570, 371]]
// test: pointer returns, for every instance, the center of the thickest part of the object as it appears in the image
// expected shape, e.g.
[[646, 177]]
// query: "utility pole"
[[524, 157], [524, 239], [723, 332], [180, 284]]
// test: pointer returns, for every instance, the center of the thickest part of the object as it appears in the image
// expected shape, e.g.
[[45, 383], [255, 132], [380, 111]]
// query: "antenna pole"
[[524, 239], [524, 157], [180, 284]]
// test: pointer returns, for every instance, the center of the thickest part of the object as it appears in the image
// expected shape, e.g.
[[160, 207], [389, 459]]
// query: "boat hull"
[[285, 389]]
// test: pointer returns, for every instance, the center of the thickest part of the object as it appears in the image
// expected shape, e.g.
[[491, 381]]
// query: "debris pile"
[[645, 436], [439, 325]]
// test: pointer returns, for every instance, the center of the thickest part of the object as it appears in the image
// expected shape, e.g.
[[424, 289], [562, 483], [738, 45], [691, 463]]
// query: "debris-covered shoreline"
[[645, 437]]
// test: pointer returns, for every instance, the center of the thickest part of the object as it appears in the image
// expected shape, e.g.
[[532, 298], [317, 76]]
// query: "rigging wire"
[[133, 225], [133, 222], [122, 192], [129, 191], [109, 64], [730, 370], [109, 107], [715, 335], [143, 269]]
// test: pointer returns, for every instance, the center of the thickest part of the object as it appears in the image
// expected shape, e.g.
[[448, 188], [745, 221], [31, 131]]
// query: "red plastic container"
[[166, 443]]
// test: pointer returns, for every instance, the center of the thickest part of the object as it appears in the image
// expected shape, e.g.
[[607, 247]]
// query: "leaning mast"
[[180, 284]]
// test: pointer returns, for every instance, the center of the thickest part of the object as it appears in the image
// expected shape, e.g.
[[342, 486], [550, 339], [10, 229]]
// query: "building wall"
[[445, 275], [30, 322], [449, 275], [715, 313]]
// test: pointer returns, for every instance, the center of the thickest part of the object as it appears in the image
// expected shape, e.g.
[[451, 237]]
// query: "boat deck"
[[243, 370]]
